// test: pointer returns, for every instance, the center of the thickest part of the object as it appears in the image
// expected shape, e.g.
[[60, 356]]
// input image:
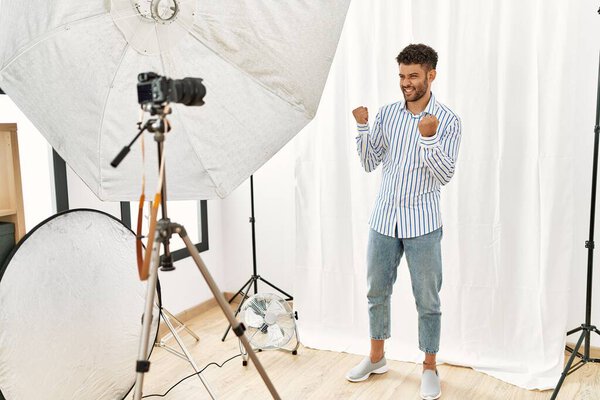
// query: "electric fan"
[[270, 323]]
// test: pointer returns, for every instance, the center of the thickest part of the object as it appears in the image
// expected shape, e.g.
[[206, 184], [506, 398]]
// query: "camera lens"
[[156, 89], [190, 91]]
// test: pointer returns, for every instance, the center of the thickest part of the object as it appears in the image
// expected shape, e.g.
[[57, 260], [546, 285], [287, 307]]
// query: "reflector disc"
[[71, 306]]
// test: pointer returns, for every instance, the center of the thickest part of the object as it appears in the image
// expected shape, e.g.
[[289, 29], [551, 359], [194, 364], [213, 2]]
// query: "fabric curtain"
[[522, 77]]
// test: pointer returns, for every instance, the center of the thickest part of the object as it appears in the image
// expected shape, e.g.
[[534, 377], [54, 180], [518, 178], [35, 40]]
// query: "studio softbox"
[[71, 66]]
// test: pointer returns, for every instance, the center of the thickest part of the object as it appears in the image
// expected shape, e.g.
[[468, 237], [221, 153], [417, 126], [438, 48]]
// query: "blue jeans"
[[424, 258]]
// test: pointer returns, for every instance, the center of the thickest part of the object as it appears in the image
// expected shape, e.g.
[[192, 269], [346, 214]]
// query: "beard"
[[415, 92]]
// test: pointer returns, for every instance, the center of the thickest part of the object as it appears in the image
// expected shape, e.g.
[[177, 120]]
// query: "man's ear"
[[431, 75]]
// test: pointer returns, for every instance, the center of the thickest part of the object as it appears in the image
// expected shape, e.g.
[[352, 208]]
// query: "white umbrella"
[[71, 66]]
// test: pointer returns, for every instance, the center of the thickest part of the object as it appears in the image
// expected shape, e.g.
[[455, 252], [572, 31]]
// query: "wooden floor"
[[319, 375]]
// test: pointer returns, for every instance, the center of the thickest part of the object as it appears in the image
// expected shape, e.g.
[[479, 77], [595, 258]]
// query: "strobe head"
[[157, 90]]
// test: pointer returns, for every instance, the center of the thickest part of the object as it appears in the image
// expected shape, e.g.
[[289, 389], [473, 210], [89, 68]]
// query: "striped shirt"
[[414, 167]]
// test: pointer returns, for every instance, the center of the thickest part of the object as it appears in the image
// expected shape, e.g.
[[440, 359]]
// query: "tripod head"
[[159, 124]]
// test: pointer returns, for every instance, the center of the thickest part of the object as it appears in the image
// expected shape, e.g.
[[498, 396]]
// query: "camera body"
[[158, 90]]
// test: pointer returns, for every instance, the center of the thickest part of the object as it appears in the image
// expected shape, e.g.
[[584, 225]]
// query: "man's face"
[[415, 81]]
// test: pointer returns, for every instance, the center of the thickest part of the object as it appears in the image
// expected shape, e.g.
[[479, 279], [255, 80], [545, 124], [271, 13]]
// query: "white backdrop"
[[522, 76]]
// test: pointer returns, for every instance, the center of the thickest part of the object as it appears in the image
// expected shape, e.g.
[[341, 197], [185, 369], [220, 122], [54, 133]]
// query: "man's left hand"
[[428, 125]]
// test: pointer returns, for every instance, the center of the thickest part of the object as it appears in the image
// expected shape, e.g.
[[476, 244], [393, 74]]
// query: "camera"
[[157, 90]]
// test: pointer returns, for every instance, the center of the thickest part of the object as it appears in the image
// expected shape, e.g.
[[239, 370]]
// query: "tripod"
[[163, 232], [253, 281], [586, 328]]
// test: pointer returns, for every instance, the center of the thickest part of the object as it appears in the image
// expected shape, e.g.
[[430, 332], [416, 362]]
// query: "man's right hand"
[[361, 115]]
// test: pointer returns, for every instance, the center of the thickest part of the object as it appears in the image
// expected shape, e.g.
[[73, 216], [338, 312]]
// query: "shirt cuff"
[[362, 128], [429, 142]]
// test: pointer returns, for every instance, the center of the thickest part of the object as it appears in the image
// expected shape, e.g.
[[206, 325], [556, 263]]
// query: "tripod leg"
[[239, 307], [574, 330], [237, 327], [143, 365], [184, 326], [595, 360], [188, 356], [241, 290], [568, 366], [290, 297]]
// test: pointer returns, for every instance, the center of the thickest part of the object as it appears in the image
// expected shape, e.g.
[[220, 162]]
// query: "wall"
[[36, 157]]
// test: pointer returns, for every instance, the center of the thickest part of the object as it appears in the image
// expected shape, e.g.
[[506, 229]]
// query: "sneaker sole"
[[432, 397], [381, 370]]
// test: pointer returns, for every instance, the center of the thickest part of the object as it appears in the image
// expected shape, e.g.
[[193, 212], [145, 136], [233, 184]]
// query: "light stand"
[[587, 328], [164, 230], [183, 353], [255, 277]]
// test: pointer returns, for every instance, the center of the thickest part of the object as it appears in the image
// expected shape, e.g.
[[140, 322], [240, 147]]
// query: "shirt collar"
[[428, 110]]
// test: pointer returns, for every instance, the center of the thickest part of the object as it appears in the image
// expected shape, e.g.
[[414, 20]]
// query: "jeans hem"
[[429, 351], [380, 337]]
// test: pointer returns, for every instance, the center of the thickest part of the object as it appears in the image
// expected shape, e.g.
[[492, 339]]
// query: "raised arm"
[[440, 147], [370, 143]]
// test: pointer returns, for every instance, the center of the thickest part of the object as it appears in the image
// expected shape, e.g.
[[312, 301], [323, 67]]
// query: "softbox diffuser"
[[71, 67]]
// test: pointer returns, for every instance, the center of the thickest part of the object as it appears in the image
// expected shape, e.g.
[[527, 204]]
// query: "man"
[[417, 142]]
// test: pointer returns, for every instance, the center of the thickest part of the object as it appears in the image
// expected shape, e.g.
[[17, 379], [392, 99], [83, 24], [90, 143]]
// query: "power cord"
[[189, 376]]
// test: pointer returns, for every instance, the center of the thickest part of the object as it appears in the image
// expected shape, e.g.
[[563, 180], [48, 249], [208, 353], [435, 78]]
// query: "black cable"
[[189, 376]]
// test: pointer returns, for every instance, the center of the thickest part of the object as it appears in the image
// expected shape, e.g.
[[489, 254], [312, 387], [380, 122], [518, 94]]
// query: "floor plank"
[[319, 375]]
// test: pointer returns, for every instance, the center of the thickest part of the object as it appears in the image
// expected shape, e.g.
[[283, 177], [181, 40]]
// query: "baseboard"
[[186, 315], [594, 351]]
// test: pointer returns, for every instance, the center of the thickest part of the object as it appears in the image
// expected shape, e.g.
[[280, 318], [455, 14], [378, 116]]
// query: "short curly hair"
[[418, 54]]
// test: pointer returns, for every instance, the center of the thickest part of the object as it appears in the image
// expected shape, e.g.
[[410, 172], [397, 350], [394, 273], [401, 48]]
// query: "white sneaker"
[[430, 385], [365, 368]]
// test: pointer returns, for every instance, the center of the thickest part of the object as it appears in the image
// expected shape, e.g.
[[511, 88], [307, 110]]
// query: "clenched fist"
[[428, 125], [361, 115]]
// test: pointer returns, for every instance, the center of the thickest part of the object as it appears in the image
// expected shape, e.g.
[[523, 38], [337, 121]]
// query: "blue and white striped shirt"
[[414, 167]]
